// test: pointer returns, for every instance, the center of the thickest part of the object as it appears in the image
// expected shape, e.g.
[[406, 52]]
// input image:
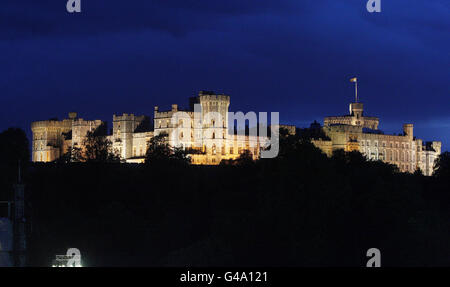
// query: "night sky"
[[291, 56]]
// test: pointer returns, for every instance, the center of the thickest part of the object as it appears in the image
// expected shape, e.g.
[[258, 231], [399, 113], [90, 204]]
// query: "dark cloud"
[[290, 56], [27, 18]]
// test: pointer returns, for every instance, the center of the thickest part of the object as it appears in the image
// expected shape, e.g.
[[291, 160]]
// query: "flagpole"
[[356, 90]]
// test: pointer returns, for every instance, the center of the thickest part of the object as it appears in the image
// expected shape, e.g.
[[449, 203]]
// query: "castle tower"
[[408, 130], [215, 128], [356, 110], [123, 128]]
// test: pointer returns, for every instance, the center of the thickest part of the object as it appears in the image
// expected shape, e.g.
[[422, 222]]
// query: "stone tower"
[[408, 130], [123, 128], [214, 115], [356, 110]]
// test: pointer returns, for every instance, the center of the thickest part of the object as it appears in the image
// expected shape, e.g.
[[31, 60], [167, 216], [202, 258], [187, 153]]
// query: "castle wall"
[[48, 139], [404, 151]]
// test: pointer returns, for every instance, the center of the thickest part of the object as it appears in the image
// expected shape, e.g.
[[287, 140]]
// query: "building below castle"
[[211, 138], [356, 132]]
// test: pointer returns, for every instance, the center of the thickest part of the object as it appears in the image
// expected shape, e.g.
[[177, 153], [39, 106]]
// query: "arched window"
[[213, 135]]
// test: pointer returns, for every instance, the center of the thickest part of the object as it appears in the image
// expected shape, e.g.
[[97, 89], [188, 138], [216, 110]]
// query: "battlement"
[[51, 124], [82, 122], [169, 114], [211, 96], [128, 117], [344, 128]]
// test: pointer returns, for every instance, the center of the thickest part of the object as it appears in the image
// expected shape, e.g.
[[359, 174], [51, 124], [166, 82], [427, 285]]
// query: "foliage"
[[442, 166], [97, 148], [159, 152]]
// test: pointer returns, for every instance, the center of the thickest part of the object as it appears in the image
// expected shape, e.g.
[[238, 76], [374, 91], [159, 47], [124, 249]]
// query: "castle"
[[131, 134], [356, 132]]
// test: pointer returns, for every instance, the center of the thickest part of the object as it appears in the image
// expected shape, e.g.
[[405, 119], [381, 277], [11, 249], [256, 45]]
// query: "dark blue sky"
[[291, 56]]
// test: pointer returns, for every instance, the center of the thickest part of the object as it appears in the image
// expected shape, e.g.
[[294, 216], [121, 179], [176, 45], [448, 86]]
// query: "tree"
[[97, 148], [418, 172], [160, 152], [72, 155], [442, 166], [245, 158]]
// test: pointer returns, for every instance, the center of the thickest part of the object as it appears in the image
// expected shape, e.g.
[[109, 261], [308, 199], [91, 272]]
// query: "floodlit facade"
[[210, 137], [358, 132]]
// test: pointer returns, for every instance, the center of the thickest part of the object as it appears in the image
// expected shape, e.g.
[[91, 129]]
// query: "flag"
[[353, 80]]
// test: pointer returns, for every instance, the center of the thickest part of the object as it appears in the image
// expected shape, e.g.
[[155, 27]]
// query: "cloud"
[[30, 18]]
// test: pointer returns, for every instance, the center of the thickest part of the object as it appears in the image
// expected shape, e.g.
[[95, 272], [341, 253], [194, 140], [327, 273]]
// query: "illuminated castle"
[[358, 132], [131, 134], [190, 128]]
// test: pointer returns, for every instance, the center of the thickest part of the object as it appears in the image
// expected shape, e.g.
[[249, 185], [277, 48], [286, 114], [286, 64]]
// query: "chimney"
[[174, 108]]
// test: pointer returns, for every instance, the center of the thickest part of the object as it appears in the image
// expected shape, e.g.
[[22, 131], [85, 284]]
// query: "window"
[[231, 150], [213, 135]]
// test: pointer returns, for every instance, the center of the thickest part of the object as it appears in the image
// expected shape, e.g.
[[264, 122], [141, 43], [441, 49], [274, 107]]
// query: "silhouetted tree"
[[96, 148], [160, 152], [442, 166], [245, 158]]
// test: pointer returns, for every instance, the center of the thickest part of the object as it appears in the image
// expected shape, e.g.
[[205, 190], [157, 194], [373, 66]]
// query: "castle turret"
[[356, 110], [408, 130], [217, 107]]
